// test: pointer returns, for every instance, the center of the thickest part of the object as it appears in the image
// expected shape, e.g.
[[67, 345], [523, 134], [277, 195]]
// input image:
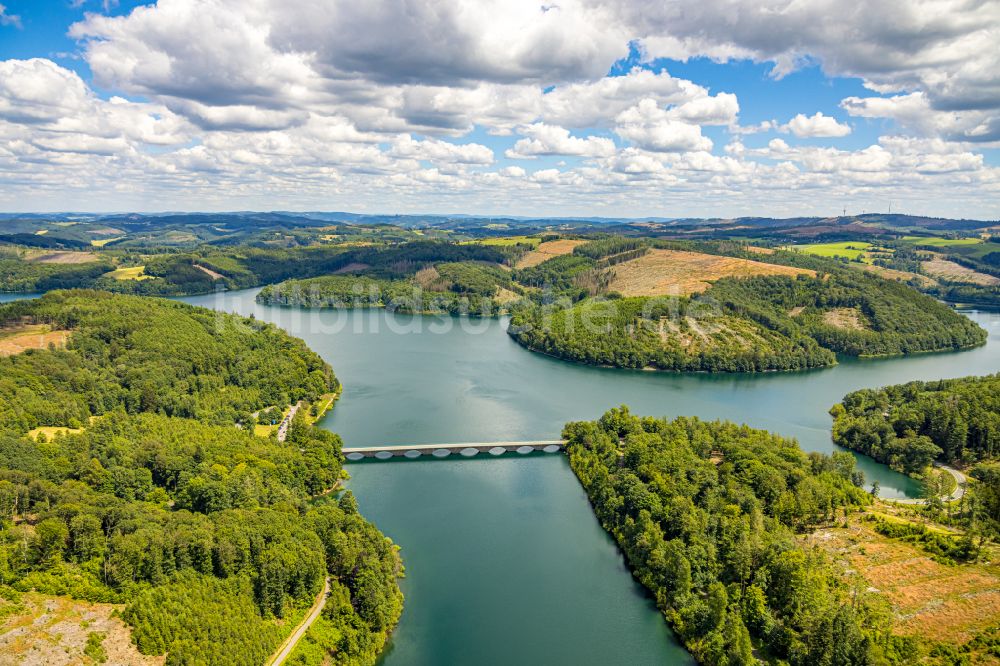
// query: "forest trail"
[[288, 645]]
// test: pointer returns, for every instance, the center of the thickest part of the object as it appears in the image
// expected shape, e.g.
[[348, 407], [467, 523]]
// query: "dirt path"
[[960, 481], [288, 645]]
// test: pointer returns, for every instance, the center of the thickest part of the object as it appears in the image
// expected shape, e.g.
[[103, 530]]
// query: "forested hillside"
[[701, 306], [214, 539], [908, 426], [150, 355], [749, 324], [163, 271], [707, 515], [455, 287]]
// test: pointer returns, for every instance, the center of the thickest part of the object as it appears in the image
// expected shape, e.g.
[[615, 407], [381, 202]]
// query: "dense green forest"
[[150, 355], [908, 426], [21, 276], [639, 333], [157, 499], [456, 279], [749, 324], [707, 515]]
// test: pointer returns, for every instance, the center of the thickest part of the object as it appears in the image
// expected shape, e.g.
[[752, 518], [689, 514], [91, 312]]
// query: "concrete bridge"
[[467, 450]]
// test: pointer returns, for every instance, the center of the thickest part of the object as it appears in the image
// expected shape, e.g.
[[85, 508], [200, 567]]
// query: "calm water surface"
[[505, 562], [7, 298]]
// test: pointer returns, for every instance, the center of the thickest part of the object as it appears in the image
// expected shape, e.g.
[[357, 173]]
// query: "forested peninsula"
[[129, 474], [708, 515], [755, 551], [909, 426], [750, 324]]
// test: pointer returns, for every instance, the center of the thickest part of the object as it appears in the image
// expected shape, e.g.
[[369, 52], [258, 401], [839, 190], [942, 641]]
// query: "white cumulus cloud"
[[816, 125], [542, 139], [651, 128]]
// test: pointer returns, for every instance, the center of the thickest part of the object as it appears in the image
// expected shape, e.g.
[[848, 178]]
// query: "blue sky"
[[590, 107]]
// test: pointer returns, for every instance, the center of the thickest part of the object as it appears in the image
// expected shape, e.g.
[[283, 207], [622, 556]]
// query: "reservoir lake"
[[505, 562]]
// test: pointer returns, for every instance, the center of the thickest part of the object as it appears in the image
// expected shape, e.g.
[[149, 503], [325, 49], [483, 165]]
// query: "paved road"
[[287, 421], [289, 643], [960, 481]]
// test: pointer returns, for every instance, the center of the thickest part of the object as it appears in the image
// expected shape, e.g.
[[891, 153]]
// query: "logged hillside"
[[680, 273], [151, 496]]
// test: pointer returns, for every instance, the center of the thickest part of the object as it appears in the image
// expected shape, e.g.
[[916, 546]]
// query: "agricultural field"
[[974, 248], [101, 242], [130, 273], [506, 241], [39, 629], [941, 602], [548, 250], [851, 250], [941, 242], [678, 272], [944, 269], [59, 257], [975, 251], [17, 339]]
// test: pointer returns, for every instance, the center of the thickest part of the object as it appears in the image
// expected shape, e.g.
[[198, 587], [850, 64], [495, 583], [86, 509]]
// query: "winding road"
[[288, 645], [960, 481]]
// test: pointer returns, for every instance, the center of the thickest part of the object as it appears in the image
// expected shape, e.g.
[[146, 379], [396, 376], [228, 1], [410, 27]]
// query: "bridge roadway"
[[468, 450]]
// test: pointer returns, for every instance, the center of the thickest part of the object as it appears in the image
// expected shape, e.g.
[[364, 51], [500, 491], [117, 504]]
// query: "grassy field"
[[675, 272], [974, 251], [505, 241], [130, 273], [101, 242], [548, 250], [17, 339], [974, 248], [852, 250], [941, 242], [940, 602], [52, 431]]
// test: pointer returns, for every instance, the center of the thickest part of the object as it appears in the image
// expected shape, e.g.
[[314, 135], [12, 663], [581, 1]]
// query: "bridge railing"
[[467, 450]]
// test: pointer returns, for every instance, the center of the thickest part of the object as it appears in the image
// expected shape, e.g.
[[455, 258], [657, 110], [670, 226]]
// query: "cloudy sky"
[[558, 107]]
